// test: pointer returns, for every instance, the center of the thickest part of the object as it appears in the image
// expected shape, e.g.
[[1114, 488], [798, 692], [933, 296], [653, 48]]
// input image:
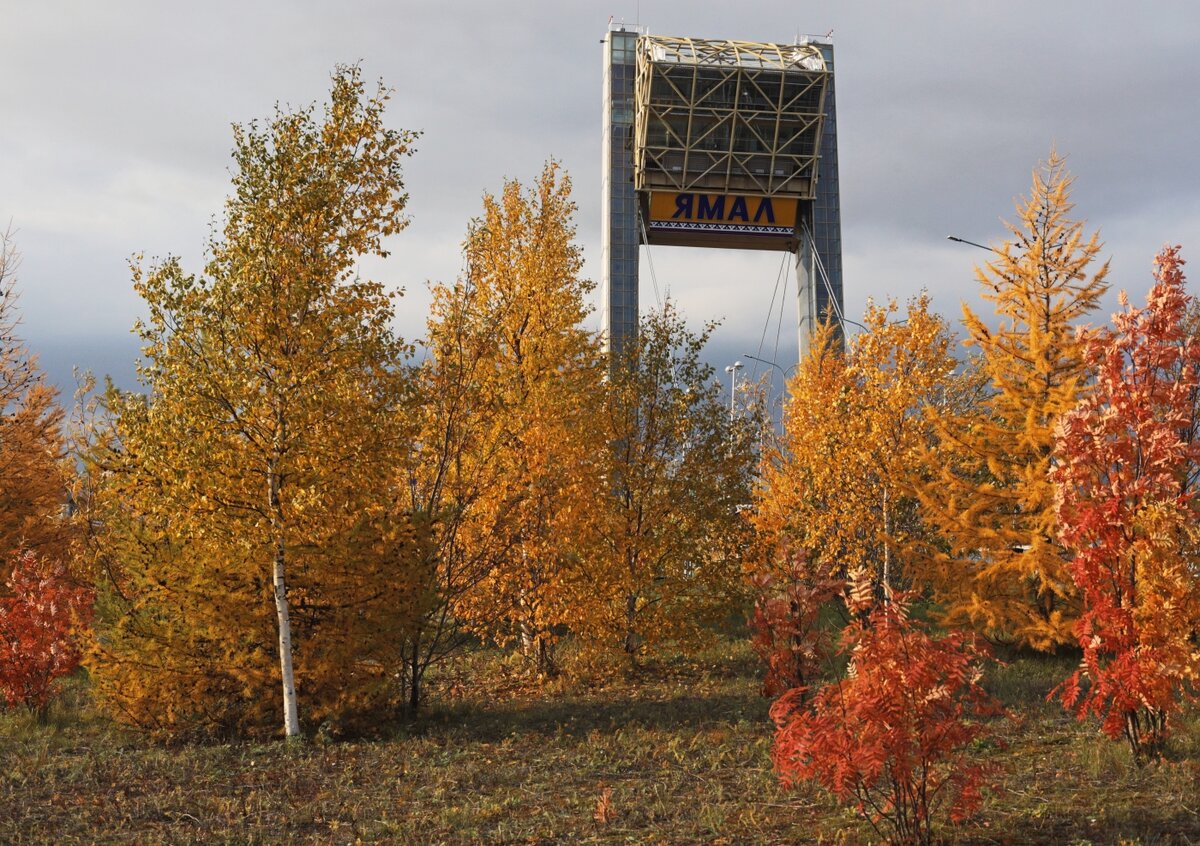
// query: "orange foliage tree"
[[34, 474], [998, 564], [540, 381], [1126, 473], [893, 735], [41, 601], [452, 475], [840, 482], [667, 562]]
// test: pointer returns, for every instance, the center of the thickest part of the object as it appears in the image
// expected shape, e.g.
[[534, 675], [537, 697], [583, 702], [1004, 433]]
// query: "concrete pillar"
[[806, 290]]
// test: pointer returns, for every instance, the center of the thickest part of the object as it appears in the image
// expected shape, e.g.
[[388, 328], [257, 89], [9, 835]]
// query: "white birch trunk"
[[291, 717]]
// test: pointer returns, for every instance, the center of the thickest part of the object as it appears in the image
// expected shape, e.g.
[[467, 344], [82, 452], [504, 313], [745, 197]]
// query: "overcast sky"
[[115, 137]]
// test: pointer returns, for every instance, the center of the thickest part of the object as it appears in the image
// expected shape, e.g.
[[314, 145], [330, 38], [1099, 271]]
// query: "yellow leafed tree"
[[1000, 566], [840, 483], [452, 475], [249, 522], [539, 381], [667, 564]]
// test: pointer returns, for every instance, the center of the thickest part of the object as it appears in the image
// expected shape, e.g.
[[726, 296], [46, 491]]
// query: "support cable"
[[650, 262], [820, 266], [779, 322], [762, 340]]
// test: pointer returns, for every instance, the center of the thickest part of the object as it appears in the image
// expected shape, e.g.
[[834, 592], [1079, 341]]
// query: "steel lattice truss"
[[728, 116]]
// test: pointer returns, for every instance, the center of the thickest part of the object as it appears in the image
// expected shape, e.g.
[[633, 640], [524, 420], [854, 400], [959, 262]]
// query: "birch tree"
[[257, 462], [540, 382], [450, 477], [666, 566], [840, 485]]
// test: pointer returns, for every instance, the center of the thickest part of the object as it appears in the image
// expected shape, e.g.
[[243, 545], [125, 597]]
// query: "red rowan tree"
[[785, 630], [38, 620], [1126, 469], [892, 735]]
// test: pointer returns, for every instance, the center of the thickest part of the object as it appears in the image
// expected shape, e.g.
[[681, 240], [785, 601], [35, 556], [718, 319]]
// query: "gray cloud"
[[114, 137]]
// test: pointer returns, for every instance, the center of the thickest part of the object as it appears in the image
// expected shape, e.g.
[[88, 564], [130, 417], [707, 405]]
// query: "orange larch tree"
[[998, 564]]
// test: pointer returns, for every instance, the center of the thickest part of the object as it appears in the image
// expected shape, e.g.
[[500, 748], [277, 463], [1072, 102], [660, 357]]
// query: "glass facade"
[[819, 262], [619, 241], [826, 211]]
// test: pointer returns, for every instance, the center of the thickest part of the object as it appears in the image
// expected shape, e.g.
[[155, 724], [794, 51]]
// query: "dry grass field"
[[677, 755]]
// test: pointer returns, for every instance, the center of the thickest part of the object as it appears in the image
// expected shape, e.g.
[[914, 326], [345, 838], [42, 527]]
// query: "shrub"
[[38, 619], [892, 734], [1127, 465], [785, 624]]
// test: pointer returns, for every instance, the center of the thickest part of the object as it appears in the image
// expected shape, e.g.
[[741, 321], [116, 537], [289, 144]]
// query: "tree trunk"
[[546, 667], [631, 638], [291, 718], [527, 638], [414, 680], [887, 548]]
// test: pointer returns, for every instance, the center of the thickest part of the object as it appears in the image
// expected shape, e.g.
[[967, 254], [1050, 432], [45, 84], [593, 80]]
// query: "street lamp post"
[[1079, 274], [783, 374], [732, 370], [958, 240], [767, 361]]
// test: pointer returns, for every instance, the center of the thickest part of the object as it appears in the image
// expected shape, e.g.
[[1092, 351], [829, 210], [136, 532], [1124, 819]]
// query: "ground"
[[677, 754]]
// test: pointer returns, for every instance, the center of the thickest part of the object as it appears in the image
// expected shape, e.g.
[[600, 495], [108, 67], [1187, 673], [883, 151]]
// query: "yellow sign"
[[729, 213]]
